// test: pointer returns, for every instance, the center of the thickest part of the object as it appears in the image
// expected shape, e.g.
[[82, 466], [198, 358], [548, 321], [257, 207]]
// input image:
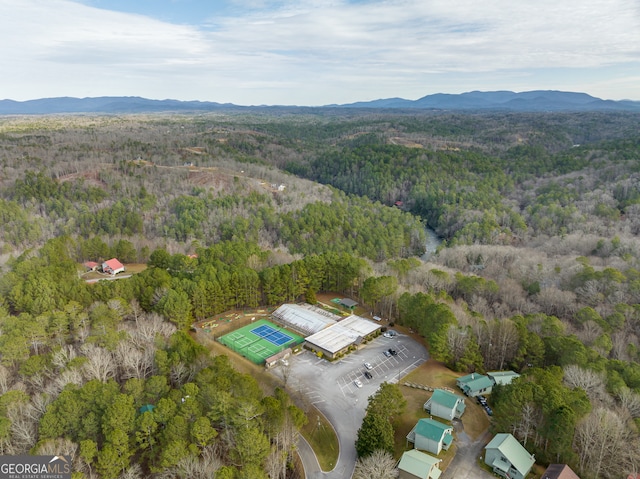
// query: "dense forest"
[[538, 272]]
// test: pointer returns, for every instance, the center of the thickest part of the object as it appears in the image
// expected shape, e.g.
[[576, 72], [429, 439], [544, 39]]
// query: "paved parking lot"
[[331, 387]]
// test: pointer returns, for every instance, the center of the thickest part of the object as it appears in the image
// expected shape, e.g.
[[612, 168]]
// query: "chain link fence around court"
[[260, 340]]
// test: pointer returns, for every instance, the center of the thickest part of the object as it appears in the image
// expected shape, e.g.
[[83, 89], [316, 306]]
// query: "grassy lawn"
[[133, 268], [434, 374], [320, 435]]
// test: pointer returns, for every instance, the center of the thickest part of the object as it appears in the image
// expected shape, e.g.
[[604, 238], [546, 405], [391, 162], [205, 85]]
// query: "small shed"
[[271, 361], [91, 265], [348, 303]]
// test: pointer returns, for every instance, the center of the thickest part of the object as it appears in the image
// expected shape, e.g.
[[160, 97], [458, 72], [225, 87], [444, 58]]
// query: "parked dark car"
[[368, 375], [489, 410], [393, 352], [481, 400]]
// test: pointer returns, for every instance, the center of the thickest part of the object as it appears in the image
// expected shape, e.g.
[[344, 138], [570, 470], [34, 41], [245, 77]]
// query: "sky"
[[316, 52]]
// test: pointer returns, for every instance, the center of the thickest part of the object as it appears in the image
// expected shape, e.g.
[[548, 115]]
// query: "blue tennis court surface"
[[272, 335]]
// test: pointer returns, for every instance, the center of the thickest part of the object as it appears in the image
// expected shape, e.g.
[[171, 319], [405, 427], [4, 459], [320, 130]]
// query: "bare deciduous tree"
[[5, 380], [273, 463], [147, 327], [24, 430], [202, 467], [61, 357], [134, 362], [378, 465], [57, 446], [590, 332], [39, 403], [68, 376], [525, 428], [181, 374], [134, 471], [457, 341], [100, 364], [600, 440], [621, 341], [592, 382], [555, 302], [630, 401]]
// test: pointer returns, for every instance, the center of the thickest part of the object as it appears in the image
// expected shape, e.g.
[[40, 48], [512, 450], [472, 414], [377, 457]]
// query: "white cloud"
[[324, 51]]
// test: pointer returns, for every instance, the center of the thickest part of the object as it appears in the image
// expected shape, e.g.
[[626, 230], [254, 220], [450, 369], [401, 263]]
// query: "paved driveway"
[[331, 388], [465, 463]]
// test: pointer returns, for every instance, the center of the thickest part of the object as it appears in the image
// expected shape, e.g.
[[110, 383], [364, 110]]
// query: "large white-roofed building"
[[304, 318], [339, 337]]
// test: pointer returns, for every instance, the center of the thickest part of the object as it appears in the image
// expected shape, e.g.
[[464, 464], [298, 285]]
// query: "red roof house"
[[113, 266], [91, 265]]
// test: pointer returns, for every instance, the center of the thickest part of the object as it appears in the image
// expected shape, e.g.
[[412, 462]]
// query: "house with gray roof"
[[418, 465], [475, 384], [507, 457], [431, 436], [445, 405], [502, 377]]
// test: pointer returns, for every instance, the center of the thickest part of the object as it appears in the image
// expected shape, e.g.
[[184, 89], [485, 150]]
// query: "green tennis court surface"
[[260, 340]]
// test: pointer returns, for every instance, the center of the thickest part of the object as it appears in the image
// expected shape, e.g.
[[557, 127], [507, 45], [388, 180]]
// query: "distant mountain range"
[[531, 101], [540, 100]]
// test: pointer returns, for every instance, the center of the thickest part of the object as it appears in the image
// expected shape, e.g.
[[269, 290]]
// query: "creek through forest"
[[431, 244]]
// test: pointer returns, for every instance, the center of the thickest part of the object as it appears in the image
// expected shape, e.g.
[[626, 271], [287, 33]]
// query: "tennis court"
[[260, 340], [272, 335]]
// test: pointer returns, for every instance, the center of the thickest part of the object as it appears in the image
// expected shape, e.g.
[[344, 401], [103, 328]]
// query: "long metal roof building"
[[306, 319]]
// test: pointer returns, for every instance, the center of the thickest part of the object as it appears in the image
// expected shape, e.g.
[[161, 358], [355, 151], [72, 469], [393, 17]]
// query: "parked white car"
[[358, 383]]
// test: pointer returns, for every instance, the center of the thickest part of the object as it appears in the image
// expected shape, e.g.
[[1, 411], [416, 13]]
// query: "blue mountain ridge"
[[530, 101]]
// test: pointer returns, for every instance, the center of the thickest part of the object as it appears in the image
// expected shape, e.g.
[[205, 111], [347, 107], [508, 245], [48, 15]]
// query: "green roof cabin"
[[507, 457], [431, 436], [418, 465], [445, 405], [475, 384]]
